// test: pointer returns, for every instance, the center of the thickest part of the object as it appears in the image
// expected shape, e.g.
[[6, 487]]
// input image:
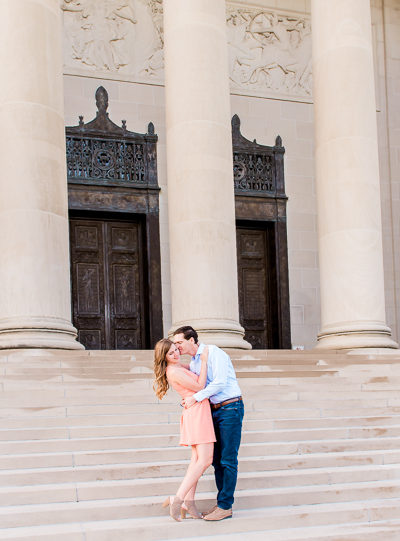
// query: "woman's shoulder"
[[174, 370]]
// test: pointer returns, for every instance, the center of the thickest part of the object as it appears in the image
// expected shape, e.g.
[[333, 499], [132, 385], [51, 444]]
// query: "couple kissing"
[[211, 421]]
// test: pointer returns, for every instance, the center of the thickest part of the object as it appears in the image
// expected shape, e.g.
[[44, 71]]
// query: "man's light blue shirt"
[[221, 378]]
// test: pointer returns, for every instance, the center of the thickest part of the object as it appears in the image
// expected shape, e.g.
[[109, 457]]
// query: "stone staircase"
[[88, 453]]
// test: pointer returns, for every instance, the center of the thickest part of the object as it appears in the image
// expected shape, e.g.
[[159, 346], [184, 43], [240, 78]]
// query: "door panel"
[[257, 291], [107, 284]]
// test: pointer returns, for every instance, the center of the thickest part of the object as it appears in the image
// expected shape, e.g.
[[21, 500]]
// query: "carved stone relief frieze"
[[269, 51], [114, 36]]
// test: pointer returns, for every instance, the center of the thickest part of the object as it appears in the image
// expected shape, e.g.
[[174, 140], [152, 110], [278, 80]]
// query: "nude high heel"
[[189, 506], [175, 505]]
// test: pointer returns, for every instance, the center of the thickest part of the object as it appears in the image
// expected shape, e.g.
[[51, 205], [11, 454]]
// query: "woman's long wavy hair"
[[161, 384]]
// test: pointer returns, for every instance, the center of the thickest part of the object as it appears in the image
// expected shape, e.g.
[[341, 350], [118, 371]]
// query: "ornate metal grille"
[[257, 169], [99, 160], [100, 152], [253, 172]]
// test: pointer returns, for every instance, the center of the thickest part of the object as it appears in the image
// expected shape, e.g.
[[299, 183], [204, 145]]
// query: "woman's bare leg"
[[193, 459], [204, 453]]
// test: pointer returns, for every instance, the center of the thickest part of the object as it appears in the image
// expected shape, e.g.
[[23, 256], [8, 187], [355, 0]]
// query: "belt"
[[225, 402]]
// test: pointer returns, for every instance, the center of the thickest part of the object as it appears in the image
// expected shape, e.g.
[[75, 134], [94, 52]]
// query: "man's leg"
[[229, 421], [218, 471]]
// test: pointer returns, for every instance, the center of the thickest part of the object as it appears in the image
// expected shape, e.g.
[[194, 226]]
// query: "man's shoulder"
[[217, 351]]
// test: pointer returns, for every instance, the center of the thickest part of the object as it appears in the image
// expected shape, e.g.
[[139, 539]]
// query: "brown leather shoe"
[[213, 508], [219, 514]]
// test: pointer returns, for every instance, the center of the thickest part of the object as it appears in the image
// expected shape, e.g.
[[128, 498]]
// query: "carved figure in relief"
[[86, 291], [104, 25], [286, 36], [115, 35], [240, 55], [268, 50], [155, 62]]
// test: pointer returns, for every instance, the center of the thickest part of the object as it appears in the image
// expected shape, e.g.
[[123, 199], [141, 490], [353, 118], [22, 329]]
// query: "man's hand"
[[189, 401]]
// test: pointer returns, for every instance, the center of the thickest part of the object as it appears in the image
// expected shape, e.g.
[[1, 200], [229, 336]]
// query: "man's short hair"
[[188, 333]]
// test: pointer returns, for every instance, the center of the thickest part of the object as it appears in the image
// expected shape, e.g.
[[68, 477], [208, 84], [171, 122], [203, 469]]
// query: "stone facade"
[[120, 44], [278, 92], [270, 78]]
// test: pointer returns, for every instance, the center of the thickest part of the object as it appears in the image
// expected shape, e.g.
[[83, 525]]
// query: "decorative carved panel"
[[123, 286], [122, 239], [127, 339], [108, 296], [123, 36], [90, 338], [86, 238], [88, 291], [254, 276], [269, 50]]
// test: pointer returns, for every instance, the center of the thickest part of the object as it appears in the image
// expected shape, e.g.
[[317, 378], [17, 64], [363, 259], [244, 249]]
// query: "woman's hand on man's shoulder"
[[204, 355]]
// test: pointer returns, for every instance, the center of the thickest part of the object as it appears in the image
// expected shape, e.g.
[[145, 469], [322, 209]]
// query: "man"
[[227, 410]]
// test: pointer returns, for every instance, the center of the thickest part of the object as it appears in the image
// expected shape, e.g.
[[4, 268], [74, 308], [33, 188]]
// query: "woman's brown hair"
[[161, 384]]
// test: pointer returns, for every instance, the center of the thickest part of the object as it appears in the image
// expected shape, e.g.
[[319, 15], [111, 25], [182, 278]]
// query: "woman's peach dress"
[[196, 421]]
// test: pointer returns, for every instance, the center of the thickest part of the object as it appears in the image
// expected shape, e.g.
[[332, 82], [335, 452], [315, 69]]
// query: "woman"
[[196, 428]]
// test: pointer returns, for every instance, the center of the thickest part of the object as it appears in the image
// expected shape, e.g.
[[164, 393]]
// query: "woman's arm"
[[179, 375], [203, 370]]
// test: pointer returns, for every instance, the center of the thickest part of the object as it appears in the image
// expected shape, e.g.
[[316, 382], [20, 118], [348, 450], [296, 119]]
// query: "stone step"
[[145, 358], [82, 435], [29, 469], [56, 417], [253, 524], [52, 439], [86, 389], [147, 403], [126, 355], [88, 425], [343, 532], [112, 451], [138, 371], [253, 410], [330, 412], [30, 492], [125, 508], [75, 440]]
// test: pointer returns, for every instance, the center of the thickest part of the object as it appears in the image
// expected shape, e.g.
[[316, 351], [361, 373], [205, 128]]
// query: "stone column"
[[347, 174], [35, 307], [199, 166]]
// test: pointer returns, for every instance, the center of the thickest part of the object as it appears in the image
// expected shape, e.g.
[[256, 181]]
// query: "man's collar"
[[199, 351]]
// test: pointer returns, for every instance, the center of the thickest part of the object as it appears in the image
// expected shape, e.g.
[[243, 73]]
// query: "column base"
[[358, 337], [38, 333], [221, 333]]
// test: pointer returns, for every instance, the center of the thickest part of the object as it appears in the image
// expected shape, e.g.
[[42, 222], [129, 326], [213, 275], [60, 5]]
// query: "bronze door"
[[107, 284], [257, 286]]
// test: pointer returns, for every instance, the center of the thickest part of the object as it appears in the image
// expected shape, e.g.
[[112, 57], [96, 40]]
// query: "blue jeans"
[[228, 430]]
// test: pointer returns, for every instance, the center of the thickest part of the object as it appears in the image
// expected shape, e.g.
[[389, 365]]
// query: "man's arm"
[[220, 372]]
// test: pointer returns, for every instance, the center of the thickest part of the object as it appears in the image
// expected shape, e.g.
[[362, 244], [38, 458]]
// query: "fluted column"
[[347, 174], [34, 255], [200, 179]]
